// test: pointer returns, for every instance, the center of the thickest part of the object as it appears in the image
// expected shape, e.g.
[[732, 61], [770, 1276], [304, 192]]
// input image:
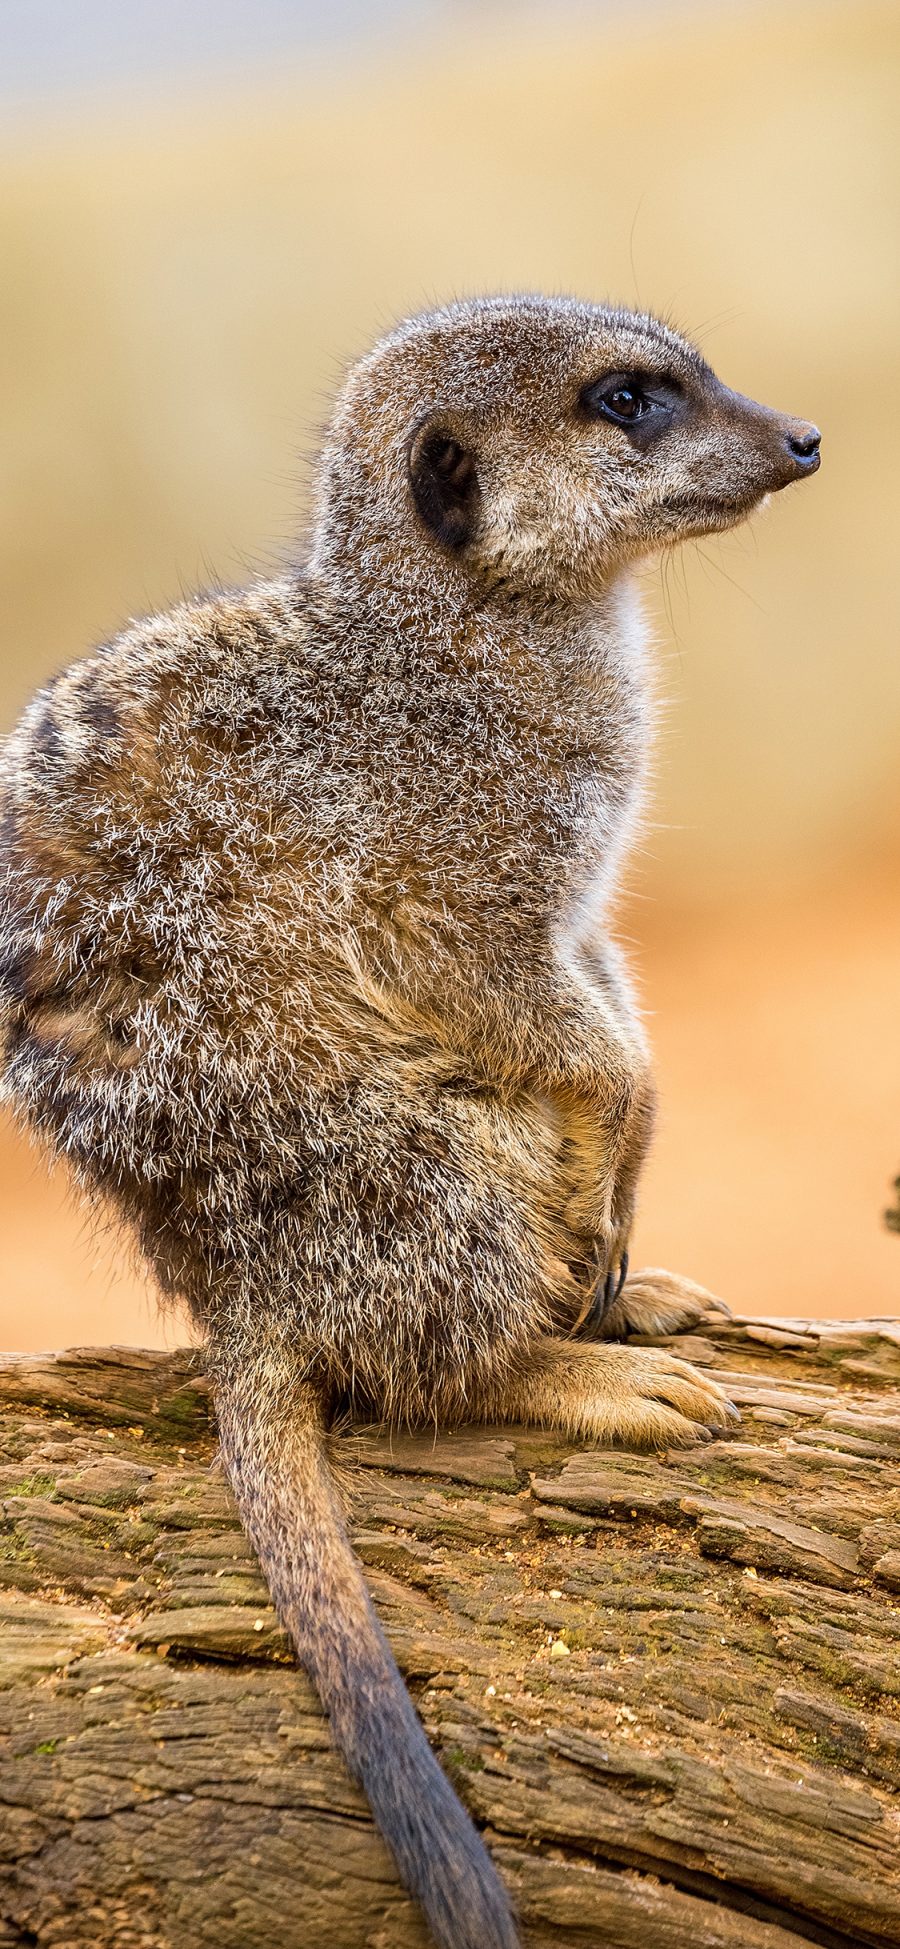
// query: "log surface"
[[667, 1687]]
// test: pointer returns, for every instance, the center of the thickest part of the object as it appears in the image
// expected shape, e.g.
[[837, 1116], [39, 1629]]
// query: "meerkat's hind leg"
[[640, 1395], [656, 1302]]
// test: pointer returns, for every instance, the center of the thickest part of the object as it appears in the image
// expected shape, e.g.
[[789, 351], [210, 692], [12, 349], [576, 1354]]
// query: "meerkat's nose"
[[803, 443]]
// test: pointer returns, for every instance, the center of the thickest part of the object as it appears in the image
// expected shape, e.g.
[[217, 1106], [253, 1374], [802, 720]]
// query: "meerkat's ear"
[[444, 482]]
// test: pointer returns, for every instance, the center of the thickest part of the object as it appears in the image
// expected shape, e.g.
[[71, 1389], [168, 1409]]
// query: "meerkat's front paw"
[[657, 1302], [647, 1397]]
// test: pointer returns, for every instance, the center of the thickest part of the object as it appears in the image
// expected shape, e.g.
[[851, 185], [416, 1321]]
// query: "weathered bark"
[[668, 1687]]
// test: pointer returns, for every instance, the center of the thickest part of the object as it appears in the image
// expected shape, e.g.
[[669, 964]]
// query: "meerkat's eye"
[[626, 403], [642, 406]]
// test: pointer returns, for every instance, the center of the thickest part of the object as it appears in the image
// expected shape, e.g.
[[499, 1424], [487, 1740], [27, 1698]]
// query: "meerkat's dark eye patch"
[[643, 404], [444, 485]]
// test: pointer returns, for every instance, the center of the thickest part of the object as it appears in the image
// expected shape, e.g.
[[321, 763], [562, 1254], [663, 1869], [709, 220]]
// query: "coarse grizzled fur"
[[306, 962]]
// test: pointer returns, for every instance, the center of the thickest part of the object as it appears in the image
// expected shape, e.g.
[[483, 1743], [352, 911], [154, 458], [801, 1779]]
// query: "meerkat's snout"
[[784, 449]]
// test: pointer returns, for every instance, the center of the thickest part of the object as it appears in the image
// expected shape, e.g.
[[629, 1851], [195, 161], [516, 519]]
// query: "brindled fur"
[[306, 964]]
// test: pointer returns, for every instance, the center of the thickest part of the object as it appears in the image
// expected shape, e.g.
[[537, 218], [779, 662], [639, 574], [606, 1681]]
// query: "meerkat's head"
[[542, 444]]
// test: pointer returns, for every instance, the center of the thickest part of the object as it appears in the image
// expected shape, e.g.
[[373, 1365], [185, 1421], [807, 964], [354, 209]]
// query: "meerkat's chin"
[[688, 518]]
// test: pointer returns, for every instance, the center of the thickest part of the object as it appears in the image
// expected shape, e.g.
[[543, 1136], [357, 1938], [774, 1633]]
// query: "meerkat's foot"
[[654, 1301], [639, 1395]]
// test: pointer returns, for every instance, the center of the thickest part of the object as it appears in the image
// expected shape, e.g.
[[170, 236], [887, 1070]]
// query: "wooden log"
[[667, 1687]]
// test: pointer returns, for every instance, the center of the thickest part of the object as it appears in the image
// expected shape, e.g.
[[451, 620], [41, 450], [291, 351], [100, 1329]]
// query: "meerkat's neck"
[[447, 614]]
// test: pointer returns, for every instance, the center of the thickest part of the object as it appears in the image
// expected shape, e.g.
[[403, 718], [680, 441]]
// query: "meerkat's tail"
[[273, 1446]]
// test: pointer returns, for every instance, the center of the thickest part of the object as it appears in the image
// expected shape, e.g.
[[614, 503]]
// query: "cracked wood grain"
[[667, 1686]]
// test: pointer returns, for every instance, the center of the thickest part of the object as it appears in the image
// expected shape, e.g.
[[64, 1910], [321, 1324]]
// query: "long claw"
[[605, 1294]]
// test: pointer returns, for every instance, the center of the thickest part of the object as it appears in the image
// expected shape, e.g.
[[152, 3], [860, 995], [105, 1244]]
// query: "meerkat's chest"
[[587, 878], [606, 790]]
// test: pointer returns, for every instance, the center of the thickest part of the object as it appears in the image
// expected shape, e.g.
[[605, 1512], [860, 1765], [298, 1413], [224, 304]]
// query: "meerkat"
[[306, 955]]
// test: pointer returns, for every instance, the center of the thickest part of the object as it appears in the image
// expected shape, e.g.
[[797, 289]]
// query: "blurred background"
[[208, 207]]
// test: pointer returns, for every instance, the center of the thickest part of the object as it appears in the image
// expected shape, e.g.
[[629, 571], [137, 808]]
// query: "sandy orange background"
[[185, 273]]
